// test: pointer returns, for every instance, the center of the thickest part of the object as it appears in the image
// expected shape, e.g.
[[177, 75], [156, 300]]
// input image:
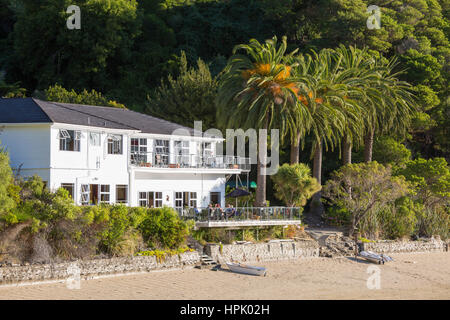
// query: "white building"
[[112, 155]]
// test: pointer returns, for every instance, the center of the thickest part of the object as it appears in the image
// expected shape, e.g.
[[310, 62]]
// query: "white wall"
[[169, 183], [90, 165], [28, 146]]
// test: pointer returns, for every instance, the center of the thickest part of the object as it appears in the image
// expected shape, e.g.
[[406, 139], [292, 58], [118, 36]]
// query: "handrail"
[[175, 160], [241, 213]]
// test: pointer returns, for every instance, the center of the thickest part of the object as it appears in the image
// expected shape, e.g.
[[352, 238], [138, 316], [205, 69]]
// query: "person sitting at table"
[[219, 212], [229, 211]]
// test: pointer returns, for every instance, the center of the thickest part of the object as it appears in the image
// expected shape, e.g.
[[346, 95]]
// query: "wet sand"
[[410, 276]]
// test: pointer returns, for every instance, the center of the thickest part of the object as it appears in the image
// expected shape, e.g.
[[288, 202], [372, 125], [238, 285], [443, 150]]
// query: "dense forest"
[[165, 57]]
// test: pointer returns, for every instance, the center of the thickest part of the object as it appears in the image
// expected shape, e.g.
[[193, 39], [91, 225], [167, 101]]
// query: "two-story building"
[[113, 155]]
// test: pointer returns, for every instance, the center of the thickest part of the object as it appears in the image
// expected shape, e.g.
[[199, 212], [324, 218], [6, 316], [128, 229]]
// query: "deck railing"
[[241, 213], [171, 160]]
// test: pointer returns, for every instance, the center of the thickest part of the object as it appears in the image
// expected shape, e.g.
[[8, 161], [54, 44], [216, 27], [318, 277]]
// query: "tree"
[[294, 184], [46, 52], [187, 98], [387, 150], [431, 179], [373, 187], [390, 105], [329, 109], [256, 91], [57, 93]]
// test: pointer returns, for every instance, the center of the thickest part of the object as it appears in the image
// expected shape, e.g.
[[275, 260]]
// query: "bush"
[[294, 184], [163, 229], [400, 220], [6, 179], [120, 236]]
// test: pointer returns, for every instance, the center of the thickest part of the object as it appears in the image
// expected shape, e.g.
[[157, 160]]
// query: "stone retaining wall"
[[263, 251], [93, 268], [431, 245]]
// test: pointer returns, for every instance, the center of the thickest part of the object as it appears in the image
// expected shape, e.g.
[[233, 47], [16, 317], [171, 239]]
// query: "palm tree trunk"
[[295, 149], [368, 146], [346, 151], [317, 166], [260, 200], [317, 206]]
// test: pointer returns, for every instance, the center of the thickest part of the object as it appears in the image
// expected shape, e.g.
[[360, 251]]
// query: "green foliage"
[[364, 189], [57, 93], [187, 98], [162, 228], [387, 150], [7, 199], [119, 237], [294, 184], [431, 179], [400, 219]]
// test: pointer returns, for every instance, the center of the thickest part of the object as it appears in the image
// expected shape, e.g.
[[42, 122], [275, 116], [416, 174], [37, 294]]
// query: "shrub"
[[6, 179], [119, 237], [162, 228], [294, 184], [400, 220]]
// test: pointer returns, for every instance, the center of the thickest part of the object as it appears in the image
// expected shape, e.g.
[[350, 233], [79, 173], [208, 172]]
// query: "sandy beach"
[[410, 276]]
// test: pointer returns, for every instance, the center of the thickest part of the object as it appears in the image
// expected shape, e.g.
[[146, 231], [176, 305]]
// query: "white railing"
[[170, 160], [241, 213]]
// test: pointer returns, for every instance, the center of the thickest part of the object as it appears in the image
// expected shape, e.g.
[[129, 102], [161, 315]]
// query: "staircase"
[[206, 262]]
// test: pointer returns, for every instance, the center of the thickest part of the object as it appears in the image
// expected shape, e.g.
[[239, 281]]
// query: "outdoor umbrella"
[[238, 193]]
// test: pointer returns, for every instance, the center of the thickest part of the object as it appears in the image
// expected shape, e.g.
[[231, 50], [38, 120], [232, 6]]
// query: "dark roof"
[[30, 110]]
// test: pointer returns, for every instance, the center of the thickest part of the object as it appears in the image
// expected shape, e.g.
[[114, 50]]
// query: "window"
[[69, 140], [85, 193], [178, 199], [185, 199], [182, 152], [69, 187], [138, 150], [150, 199], [214, 197], [115, 144], [94, 139], [207, 150], [121, 193], [193, 200], [161, 152], [105, 193]]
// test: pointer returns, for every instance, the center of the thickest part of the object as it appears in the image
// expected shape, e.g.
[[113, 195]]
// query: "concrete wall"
[[263, 251], [431, 245], [93, 268]]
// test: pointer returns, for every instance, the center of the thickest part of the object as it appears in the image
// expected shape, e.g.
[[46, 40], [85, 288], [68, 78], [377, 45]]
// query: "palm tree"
[[390, 105], [257, 91], [357, 75], [328, 108]]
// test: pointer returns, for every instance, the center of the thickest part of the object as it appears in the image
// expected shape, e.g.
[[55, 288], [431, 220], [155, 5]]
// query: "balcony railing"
[[241, 213], [170, 160]]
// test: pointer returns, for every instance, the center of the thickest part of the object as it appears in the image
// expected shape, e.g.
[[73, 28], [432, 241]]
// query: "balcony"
[[242, 216], [174, 161]]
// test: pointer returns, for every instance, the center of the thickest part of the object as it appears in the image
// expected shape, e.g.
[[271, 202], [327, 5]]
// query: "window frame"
[[124, 186], [106, 194], [69, 140], [66, 186], [115, 144]]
